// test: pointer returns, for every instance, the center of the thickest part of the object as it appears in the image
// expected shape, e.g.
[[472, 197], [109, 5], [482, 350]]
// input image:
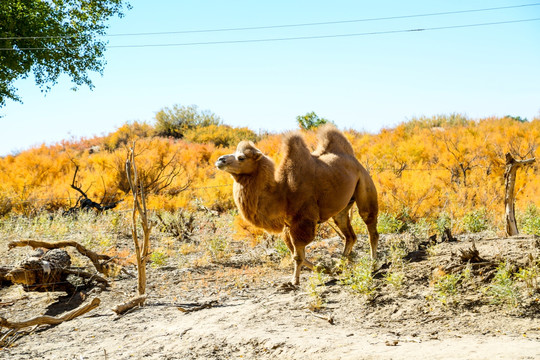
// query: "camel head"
[[243, 161]]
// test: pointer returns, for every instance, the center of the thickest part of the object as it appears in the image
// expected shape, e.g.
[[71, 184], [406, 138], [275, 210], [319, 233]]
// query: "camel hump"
[[331, 140], [294, 147]]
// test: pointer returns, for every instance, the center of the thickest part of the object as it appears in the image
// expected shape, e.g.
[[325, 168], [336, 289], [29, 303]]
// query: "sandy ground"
[[251, 315]]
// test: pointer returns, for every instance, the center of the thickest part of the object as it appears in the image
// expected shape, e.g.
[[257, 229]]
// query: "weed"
[[315, 289], [502, 289], [398, 250], [396, 272], [281, 249], [158, 259], [475, 221], [359, 276], [446, 288], [530, 220], [187, 248], [389, 224], [530, 276], [443, 222], [104, 241], [395, 279], [433, 249], [217, 246], [180, 224], [420, 229]]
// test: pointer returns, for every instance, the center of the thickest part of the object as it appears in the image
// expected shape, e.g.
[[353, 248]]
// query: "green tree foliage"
[[517, 118], [310, 121], [50, 38], [177, 121]]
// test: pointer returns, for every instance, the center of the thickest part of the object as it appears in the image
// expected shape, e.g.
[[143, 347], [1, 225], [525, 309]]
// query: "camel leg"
[[371, 222], [286, 235], [368, 208], [343, 222], [301, 235], [299, 257]]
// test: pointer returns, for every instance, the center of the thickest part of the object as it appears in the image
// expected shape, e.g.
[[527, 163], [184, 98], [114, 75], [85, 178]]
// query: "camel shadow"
[[66, 303]]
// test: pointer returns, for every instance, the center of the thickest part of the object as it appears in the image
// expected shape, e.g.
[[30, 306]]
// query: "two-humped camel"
[[305, 189]]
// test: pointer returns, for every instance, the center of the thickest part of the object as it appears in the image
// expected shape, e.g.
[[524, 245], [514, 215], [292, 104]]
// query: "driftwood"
[[50, 320], [136, 301], [512, 165], [102, 263], [330, 319]]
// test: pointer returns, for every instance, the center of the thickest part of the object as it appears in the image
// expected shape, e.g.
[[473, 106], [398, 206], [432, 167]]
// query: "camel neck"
[[257, 195]]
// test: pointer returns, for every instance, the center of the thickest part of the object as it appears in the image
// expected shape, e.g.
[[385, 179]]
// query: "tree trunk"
[[512, 165], [142, 247]]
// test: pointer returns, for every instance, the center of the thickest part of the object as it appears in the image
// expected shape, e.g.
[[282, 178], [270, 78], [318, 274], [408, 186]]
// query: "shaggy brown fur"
[[306, 189]]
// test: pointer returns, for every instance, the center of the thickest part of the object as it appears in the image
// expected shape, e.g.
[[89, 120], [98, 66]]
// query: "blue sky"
[[365, 82]]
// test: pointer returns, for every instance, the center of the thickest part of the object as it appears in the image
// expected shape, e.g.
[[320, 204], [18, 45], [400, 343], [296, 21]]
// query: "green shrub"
[[158, 259], [530, 276], [530, 220], [281, 248], [420, 229], [359, 276], [502, 289], [475, 221], [443, 221], [389, 224], [446, 288], [315, 288], [176, 121]]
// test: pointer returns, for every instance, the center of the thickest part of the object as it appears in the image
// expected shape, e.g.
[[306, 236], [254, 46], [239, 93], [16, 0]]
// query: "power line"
[[320, 23], [298, 37], [287, 25]]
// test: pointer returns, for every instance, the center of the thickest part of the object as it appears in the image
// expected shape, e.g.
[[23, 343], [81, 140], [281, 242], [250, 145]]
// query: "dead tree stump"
[[512, 165], [43, 272]]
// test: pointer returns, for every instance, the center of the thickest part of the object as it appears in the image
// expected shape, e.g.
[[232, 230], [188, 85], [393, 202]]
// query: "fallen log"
[[51, 320]]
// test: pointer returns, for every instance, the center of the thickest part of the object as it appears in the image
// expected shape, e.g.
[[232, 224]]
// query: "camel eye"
[[241, 158]]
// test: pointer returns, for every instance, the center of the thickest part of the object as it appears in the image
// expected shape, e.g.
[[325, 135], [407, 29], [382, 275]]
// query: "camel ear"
[[257, 155]]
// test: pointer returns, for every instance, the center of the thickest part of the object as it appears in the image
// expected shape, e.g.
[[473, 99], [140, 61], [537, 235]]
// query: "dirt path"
[[250, 316], [272, 327]]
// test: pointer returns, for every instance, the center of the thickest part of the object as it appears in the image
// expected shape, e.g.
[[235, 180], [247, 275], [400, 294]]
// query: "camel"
[[304, 190]]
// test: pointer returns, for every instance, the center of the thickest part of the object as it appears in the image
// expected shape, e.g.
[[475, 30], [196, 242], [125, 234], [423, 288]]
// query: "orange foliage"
[[422, 167]]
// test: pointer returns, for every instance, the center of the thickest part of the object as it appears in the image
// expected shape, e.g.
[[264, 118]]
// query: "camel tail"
[[331, 140]]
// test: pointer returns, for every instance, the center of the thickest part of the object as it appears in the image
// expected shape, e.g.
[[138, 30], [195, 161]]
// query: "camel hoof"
[[288, 286]]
